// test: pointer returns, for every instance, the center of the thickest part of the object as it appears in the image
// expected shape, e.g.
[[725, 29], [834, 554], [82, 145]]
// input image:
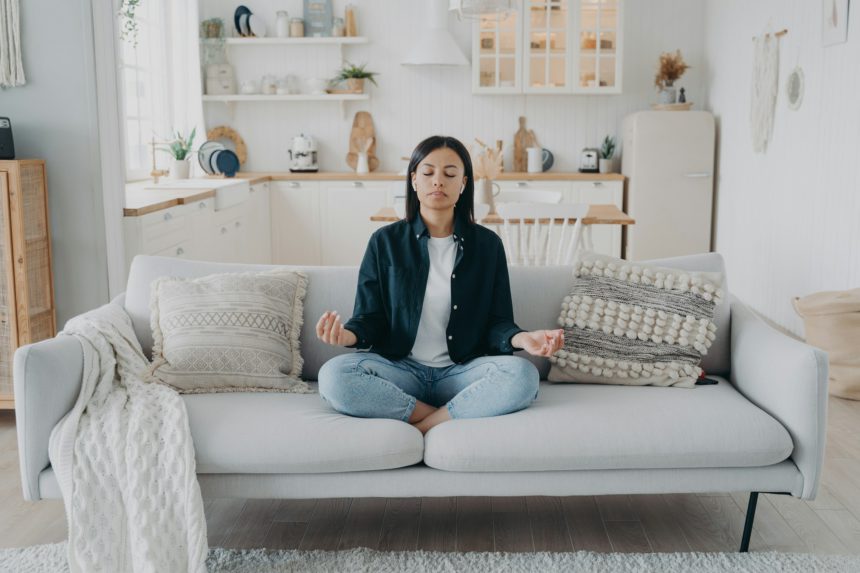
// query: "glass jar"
[[297, 28], [338, 28], [282, 24]]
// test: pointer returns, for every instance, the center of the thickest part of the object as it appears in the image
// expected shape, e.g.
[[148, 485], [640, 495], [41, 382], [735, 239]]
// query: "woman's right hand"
[[331, 331]]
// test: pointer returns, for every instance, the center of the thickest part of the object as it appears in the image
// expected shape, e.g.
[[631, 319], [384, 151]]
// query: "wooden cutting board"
[[362, 129], [523, 139]]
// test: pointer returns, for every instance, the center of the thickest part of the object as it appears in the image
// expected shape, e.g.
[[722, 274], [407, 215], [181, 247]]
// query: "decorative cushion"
[[234, 332], [635, 323]]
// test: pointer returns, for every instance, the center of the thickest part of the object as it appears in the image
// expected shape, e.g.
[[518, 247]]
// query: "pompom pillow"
[[635, 323], [234, 332]]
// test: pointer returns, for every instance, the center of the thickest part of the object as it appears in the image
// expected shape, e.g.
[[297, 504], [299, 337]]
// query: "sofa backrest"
[[536, 291]]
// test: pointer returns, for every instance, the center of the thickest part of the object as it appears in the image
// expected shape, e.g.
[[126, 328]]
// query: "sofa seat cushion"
[[263, 432], [597, 426]]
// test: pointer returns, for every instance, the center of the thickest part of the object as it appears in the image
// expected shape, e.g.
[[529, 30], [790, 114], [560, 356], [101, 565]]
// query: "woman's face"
[[439, 179]]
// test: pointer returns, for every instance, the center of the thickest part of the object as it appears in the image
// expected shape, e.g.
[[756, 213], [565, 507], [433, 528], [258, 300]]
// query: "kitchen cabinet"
[[550, 47], [347, 208], [295, 222]]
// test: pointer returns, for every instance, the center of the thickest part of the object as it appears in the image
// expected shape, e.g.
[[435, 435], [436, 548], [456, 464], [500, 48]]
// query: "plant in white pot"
[[607, 152], [180, 153]]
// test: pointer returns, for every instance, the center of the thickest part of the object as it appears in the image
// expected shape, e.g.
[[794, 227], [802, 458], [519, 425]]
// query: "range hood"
[[434, 45]]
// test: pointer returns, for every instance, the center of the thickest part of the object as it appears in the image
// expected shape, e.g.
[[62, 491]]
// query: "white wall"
[[54, 118], [787, 220], [412, 103]]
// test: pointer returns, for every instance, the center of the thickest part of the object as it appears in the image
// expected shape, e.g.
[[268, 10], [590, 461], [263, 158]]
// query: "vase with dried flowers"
[[671, 67], [486, 166]]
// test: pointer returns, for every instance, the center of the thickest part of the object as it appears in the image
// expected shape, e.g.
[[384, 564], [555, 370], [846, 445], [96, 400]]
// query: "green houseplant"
[[180, 151], [607, 151], [354, 76]]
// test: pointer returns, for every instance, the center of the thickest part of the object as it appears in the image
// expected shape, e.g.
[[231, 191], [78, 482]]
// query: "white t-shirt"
[[431, 344]]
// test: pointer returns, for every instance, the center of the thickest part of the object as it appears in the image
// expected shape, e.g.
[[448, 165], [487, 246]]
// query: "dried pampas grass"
[[671, 67]]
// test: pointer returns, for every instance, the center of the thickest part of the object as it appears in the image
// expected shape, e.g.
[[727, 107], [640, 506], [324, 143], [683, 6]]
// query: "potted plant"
[[607, 151], [180, 152], [354, 76], [671, 67]]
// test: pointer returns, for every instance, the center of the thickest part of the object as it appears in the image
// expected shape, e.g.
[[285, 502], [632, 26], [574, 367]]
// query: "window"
[[145, 90]]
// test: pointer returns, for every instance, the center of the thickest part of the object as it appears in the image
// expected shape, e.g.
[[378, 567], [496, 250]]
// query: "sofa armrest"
[[47, 379], [787, 379]]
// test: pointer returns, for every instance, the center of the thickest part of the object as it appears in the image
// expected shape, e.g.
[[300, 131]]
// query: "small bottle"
[[351, 27], [283, 24], [297, 28], [337, 30]]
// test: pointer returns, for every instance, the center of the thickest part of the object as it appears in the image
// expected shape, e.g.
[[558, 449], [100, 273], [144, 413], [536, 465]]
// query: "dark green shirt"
[[393, 278]]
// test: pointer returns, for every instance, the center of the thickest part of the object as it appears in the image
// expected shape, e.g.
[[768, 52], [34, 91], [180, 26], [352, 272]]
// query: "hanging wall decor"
[[794, 88], [11, 66], [765, 84], [834, 22]]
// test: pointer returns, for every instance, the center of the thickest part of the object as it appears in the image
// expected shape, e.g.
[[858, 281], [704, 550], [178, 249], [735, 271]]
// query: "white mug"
[[535, 162]]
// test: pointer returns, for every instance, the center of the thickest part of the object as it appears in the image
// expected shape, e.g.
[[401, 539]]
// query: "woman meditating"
[[433, 308]]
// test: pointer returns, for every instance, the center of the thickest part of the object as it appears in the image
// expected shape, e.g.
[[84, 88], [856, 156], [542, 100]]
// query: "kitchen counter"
[[141, 199]]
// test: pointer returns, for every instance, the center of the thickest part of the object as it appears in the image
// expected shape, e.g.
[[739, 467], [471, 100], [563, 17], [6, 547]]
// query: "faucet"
[[156, 173]]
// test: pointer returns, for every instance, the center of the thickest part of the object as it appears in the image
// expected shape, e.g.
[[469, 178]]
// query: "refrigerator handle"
[[700, 175]]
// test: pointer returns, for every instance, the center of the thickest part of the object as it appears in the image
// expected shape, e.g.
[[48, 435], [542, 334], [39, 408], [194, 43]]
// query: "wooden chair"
[[534, 242], [528, 197]]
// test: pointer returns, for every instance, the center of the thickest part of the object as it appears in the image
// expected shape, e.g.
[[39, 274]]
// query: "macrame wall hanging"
[[11, 67], [765, 85]]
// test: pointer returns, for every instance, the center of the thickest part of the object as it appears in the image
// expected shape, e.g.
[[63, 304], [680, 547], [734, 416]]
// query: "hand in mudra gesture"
[[331, 331], [539, 342]]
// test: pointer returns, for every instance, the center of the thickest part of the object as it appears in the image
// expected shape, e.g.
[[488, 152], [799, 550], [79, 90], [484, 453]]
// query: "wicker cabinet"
[[26, 286]]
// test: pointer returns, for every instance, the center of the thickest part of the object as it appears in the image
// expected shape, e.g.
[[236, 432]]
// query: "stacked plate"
[[248, 24], [216, 159]]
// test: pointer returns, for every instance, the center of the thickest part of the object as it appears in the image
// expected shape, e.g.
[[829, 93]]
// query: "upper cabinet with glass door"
[[551, 47], [497, 57], [597, 64]]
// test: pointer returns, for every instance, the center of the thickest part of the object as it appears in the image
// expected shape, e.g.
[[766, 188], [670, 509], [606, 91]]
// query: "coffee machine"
[[303, 154]]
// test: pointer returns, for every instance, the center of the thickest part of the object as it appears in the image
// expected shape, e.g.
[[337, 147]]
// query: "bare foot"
[[421, 411], [437, 417]]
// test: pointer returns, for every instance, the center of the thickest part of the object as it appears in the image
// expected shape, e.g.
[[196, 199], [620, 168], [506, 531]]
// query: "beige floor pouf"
[[832, 321]]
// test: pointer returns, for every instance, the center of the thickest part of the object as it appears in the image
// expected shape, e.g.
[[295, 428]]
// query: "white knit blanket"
[[124, 460]]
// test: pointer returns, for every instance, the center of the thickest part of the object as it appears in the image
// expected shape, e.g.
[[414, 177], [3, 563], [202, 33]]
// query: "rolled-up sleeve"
[[368, 322]]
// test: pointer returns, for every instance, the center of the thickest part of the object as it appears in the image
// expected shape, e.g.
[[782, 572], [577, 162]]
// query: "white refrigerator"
[[668, 159]]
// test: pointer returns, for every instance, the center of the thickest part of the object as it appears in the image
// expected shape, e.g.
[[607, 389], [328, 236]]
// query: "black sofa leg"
[[745, 540]]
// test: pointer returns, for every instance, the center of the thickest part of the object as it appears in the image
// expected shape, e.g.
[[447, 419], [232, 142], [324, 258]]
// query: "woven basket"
[[832, 323]]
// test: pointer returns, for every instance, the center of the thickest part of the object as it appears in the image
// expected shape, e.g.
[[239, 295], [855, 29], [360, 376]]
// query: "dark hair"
[[465, 207]]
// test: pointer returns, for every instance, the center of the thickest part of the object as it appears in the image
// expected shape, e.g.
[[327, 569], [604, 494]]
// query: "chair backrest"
[[541, 234], [528, 197]]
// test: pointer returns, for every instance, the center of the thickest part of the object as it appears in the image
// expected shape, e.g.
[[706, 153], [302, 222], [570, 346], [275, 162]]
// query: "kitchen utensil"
[[240, 11], [588, 160], [547, 159], [243, 24], [205, 152], [523, 139], [303, 154], [213, 161], [227, 163], [362, 131]]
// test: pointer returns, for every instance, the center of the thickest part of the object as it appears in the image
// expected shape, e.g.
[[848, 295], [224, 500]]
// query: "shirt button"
[[417, 236], [450, 337], [453, 276], [455, 307]]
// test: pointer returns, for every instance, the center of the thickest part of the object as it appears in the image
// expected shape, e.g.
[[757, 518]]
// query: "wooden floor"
[[640, 523]]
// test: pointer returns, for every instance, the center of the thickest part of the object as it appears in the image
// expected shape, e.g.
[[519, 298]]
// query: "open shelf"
[[291, 97], [295, 41]]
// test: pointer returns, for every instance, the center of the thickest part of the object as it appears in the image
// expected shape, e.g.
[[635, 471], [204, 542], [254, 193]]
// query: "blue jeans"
[[366, 385]]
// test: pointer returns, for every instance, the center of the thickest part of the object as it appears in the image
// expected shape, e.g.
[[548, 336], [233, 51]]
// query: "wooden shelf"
[[292, 97], [293, 41]]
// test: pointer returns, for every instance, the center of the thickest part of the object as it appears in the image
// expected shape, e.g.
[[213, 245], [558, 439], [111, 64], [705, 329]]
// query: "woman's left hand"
[[539, 342]]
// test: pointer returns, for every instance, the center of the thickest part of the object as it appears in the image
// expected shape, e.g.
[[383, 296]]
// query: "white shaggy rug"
[[51, 559]]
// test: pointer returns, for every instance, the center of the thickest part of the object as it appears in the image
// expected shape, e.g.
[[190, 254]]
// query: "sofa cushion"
[[635, 323], [596, 426], [229, 332], [258, 432]]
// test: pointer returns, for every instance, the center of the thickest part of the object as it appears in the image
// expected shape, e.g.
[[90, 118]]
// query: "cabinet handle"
[[180, 251], [295, 184], [202, 204], [167, 216], [357, 184], [701, 175], [597, 183], [223, 230], [238, 224], [522, 184]]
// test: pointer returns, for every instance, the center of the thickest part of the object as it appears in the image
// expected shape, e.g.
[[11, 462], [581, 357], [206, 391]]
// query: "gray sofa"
[[760, 429]]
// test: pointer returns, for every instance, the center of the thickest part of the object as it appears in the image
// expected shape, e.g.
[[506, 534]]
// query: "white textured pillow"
[[234, 332], [635, 323]]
